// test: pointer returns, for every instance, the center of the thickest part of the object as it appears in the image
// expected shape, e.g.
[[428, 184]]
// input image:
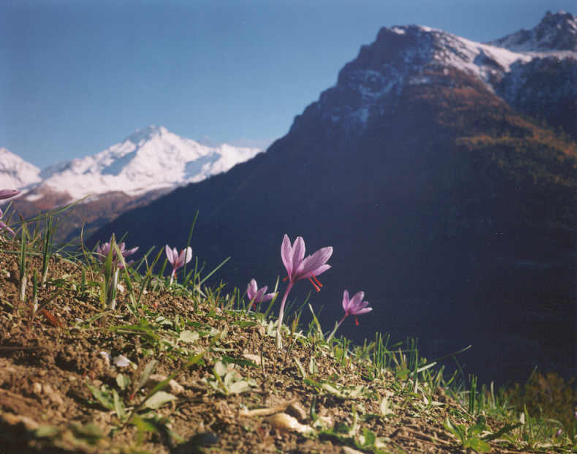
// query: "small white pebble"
[[286, 423], [36, 388], [106, 357], [121, 361]]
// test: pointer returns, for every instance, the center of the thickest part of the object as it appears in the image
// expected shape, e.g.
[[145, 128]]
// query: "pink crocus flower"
[[177, 260], [102, 251], [6, 194], [353, 306], [258, 295], [300, 267]]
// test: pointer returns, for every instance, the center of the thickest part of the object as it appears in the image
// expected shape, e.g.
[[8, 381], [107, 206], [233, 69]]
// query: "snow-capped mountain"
[[556, 32], [151, 159], [403, 56], [15, 173], [149, 163]]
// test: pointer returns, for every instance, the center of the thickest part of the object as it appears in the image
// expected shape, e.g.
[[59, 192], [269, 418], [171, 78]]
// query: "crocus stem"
[[171, 278], [337, 327], [281, 314], [112, 290]]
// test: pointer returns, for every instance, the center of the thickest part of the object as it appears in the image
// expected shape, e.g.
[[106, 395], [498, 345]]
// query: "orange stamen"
[[356, 321], [317, 285], [316, 280]]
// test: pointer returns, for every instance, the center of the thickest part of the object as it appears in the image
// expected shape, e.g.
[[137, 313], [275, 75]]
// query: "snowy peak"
[[150, 159], [403, 56], [15, 173], [555, 32], [145, 134]]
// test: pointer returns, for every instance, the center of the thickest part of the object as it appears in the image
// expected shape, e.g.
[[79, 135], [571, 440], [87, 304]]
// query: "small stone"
[[53, 395], [347, 450], [296, 409], [175, 387], [13, 420], [36, 388], [286, 423], [254, 358]]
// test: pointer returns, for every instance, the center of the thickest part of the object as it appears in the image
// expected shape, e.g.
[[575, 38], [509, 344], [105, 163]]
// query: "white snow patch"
[[151, 159], [15, 172]]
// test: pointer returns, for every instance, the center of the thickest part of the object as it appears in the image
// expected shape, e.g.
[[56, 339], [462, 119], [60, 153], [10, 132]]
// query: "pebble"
[[175, 387], [347, 450], [53, 395], [297, 410], [286, 423], [36, 388]]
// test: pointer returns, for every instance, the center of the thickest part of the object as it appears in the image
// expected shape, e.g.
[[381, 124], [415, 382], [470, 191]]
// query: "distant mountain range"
[[442, 171], [149, 163]]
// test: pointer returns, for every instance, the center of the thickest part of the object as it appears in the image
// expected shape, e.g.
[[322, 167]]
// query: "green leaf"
[[188, 336], [220, 368], [104, 400], [385, 407], [143, 425], [87, 432], [122, 381], [46, 431], [240, 362], [300, 368], [238, 387], [478, 445], [158, 400], [501, 432], [118, 405], [313, 369], [370, 437], [402, 374], [245, 323], [146, 373]]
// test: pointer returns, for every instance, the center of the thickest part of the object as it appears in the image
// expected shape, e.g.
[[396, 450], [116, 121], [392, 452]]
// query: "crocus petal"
[[258, 295], [320, 270], [362, 311], [346, 301], [252, 289], [286, 254], [357, 299], [3, 226], [129, 251], [7, 193], [169, 255], [185, 255], [313, 262], [298, 252]]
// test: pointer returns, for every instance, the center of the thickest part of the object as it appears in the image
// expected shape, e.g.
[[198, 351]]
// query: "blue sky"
[[77, 76]]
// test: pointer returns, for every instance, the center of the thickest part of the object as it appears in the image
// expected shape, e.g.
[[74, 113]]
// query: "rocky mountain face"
[[555, 32], [149, 163], [444, 180]]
